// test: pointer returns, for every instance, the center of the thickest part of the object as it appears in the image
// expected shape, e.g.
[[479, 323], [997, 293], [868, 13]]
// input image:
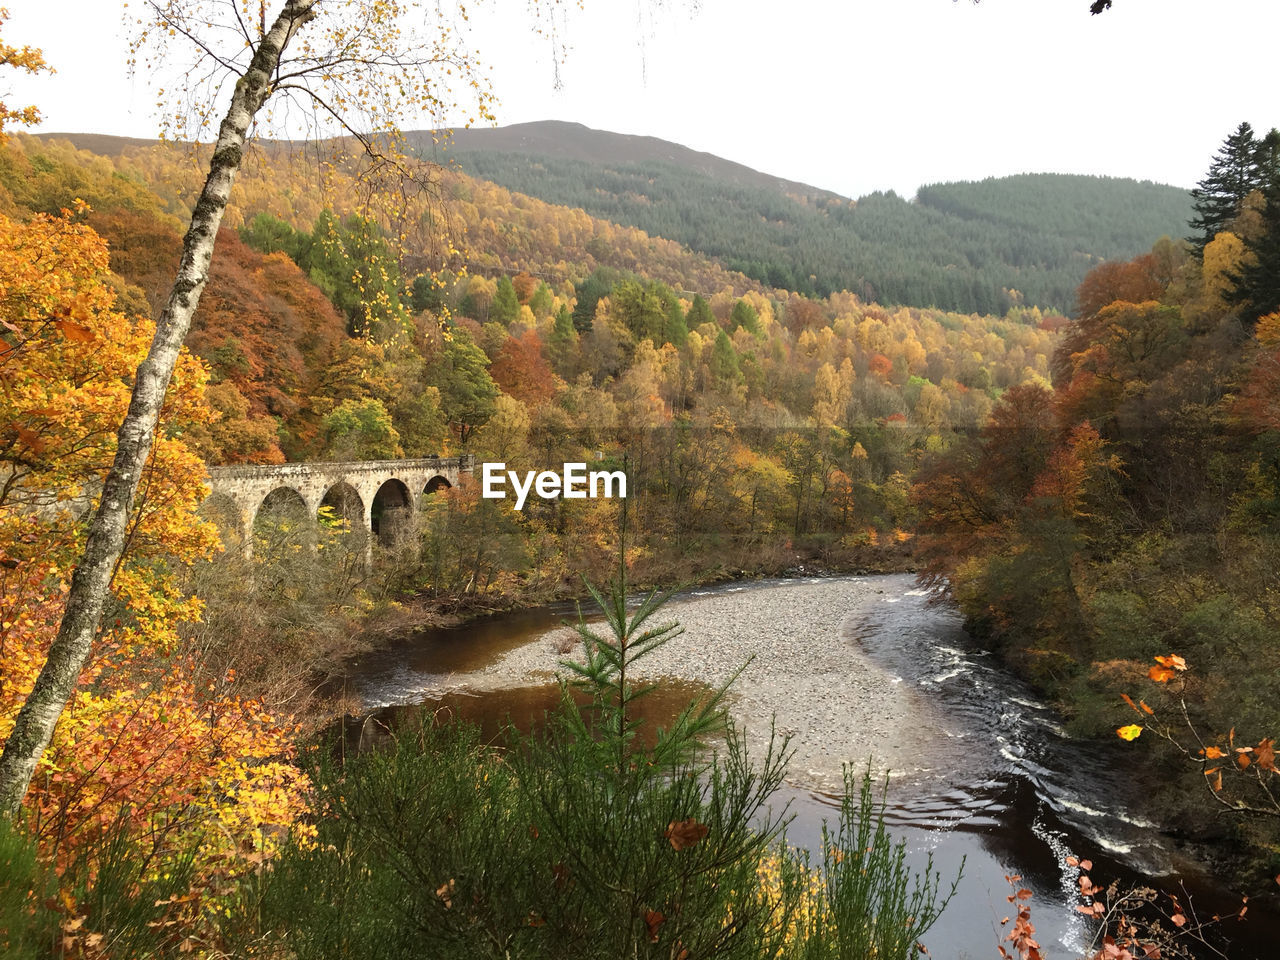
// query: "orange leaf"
[[31, 440], [1173, 661], [653, 920], [1178, 920], [1086, 864], [1160, 674], [1129, 700], [1213, 753], [1265, 755], [75, 332], [684, 833], [1143, 704]]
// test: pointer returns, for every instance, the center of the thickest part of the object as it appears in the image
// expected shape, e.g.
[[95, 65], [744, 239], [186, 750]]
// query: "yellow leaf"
[[1130, 732]]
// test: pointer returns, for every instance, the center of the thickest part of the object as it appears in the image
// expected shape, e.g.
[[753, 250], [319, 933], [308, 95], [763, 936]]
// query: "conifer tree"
[[589, 293], [724, 363], [1233, 174], [699, 313], [1269, 158], [744, 315], [563, 343], [1257, 286], [677, 332], [506, 305]]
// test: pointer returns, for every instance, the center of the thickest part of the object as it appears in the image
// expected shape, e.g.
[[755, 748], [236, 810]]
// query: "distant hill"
[[573, 141], [975, 247]]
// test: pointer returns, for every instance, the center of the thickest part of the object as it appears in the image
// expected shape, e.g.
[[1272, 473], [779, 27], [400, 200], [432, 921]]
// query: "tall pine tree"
[[1257, 286], [1233, 174]]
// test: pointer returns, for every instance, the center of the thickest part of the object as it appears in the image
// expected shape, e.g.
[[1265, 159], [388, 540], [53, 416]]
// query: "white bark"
[[39, 715]]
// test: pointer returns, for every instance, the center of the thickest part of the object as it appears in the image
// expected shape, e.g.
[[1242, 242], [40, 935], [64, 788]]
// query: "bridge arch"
[[282, 523], [342, 511], [435, 485], [391, 512]]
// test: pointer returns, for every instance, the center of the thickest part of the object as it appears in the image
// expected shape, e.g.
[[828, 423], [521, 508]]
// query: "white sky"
[[850, 95]]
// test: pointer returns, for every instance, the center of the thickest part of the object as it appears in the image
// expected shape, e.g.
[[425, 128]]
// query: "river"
[[987, 773]]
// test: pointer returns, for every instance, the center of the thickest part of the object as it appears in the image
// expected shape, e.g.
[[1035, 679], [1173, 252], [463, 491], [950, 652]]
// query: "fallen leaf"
[[1265, 755], [1129, 732]]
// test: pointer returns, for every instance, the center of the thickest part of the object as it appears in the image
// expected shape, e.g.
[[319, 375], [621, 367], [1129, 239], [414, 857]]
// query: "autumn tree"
[[29, 60], [362, 65], [361, 430], [147, 750], [521, 370]]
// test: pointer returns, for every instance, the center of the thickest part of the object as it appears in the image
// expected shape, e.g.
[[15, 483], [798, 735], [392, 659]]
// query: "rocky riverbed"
[[804, 670]]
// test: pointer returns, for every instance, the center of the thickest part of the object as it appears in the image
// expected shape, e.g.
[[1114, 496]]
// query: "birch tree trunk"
[[39, 715]]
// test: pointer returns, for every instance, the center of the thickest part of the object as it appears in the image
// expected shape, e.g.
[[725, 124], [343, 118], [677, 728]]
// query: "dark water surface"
[[1004, 788]]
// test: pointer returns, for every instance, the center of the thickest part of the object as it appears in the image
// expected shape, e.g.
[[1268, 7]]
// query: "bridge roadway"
[[376, 494]]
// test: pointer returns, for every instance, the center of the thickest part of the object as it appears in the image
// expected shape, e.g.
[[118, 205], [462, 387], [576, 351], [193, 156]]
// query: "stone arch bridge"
[[377, 497]]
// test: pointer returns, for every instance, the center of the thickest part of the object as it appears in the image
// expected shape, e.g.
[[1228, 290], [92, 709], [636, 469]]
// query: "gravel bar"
[[806, 672]]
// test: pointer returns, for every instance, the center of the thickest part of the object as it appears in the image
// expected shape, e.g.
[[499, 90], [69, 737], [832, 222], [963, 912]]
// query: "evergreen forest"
[[972, 247]]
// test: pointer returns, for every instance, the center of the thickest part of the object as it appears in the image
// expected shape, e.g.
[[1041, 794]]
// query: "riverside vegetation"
[[591, 838]]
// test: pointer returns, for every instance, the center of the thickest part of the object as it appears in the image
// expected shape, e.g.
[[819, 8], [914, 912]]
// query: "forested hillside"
[[1117, 536], [974, 247]]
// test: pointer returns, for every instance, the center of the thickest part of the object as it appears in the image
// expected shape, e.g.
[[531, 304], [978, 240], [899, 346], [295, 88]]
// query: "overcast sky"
[[850, 95]]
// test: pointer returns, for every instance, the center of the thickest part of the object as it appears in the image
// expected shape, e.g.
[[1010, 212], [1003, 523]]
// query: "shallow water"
[[1003, 787]]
